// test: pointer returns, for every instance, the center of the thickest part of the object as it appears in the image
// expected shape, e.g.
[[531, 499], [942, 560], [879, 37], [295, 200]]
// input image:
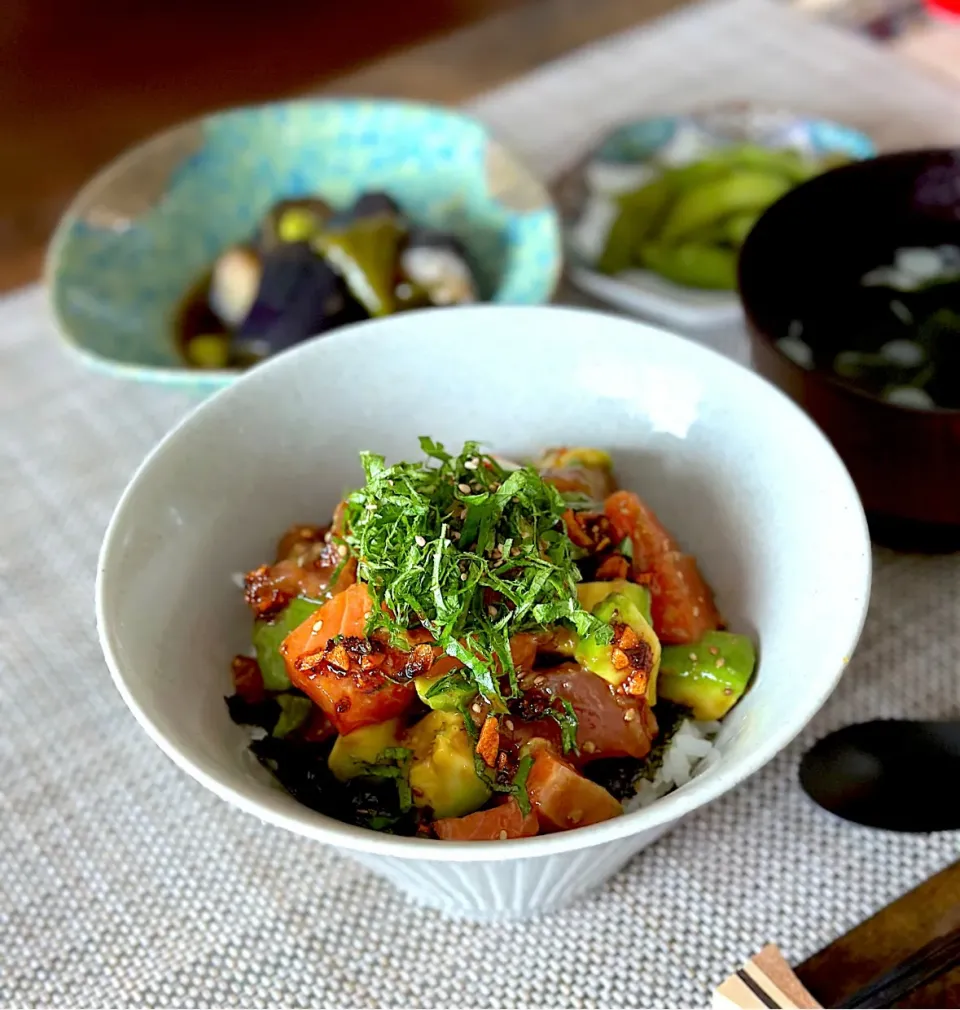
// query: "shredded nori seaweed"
[[617, 775], [301, 768], [258, 713]]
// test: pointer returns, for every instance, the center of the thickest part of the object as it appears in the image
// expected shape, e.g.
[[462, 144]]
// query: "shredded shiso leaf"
[[469, 550]]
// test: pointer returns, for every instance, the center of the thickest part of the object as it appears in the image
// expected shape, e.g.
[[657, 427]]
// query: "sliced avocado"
[[353, 752], [267, 636], [294, 712], [446, 692], [597, 657], [559, 459], [442, 771], [592, 594], [710, 676]]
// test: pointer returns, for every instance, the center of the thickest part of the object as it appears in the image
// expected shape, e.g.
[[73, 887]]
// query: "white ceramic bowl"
[[731, 465]]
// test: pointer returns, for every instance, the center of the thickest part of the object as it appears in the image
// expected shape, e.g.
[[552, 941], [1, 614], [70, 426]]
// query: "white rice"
[[689, 753]]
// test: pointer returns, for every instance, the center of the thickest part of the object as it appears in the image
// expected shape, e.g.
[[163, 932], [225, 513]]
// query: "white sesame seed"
[[503, 834], [455, 535], [476, 707], [589, 746], [471, 464], [342, 550], [464, 488], [509, 724], [463, 577], [514, 551], [492, 610], [720, 662], [327, 537], [420, 541], [693, 656], [317, 626], [630, 715]]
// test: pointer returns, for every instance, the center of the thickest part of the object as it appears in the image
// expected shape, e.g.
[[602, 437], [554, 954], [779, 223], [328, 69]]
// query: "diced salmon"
[[269, 588], [248, 680], [563, 799], [682, 603], [523, 650], [343, 676], [501, 822], [632, 518]]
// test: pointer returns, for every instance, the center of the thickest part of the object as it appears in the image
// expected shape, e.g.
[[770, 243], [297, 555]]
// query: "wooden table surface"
[[80, 80], [896, 932]]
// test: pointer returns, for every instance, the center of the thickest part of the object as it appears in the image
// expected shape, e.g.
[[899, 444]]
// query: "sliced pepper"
[[364, 253]]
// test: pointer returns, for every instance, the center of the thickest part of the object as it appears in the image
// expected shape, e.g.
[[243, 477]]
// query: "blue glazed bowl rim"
[[216, 378]]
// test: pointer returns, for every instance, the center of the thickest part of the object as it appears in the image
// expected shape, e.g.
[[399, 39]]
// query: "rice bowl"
[[747, 480]]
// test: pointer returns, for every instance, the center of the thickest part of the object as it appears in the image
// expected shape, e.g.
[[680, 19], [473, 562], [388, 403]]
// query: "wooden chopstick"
[[910, 974], [767, 982]]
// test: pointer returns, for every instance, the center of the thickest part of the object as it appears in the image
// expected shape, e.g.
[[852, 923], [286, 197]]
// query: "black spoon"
[[897, 774]]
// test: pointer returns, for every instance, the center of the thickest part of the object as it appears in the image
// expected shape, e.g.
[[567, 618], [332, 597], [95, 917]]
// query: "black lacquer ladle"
[[896, 774]]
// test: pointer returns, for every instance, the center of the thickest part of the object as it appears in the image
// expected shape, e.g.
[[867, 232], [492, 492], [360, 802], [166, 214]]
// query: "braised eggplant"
[[310, 268]]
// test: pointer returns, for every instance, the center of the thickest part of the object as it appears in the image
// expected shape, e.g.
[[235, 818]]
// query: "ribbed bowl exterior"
[[509, 889]]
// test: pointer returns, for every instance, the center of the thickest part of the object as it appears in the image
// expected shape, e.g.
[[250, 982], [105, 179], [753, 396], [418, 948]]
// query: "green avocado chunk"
[[442, 773], [598, 658], [592, 594], [294, 712], [267, 636], [446, 692], [353, 753], [710, 676]]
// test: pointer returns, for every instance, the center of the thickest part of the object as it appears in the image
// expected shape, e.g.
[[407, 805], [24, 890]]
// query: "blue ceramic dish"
[[147, 227]]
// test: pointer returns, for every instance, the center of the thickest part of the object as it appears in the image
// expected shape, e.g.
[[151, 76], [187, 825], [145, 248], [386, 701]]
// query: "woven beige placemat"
[[124, 883]]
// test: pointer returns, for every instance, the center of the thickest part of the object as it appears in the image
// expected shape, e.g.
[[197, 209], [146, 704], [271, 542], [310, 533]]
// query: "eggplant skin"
[[374, 203], [300, 295]]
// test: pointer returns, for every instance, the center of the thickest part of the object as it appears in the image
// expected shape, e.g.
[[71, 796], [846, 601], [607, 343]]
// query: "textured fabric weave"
[[123, 883]]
